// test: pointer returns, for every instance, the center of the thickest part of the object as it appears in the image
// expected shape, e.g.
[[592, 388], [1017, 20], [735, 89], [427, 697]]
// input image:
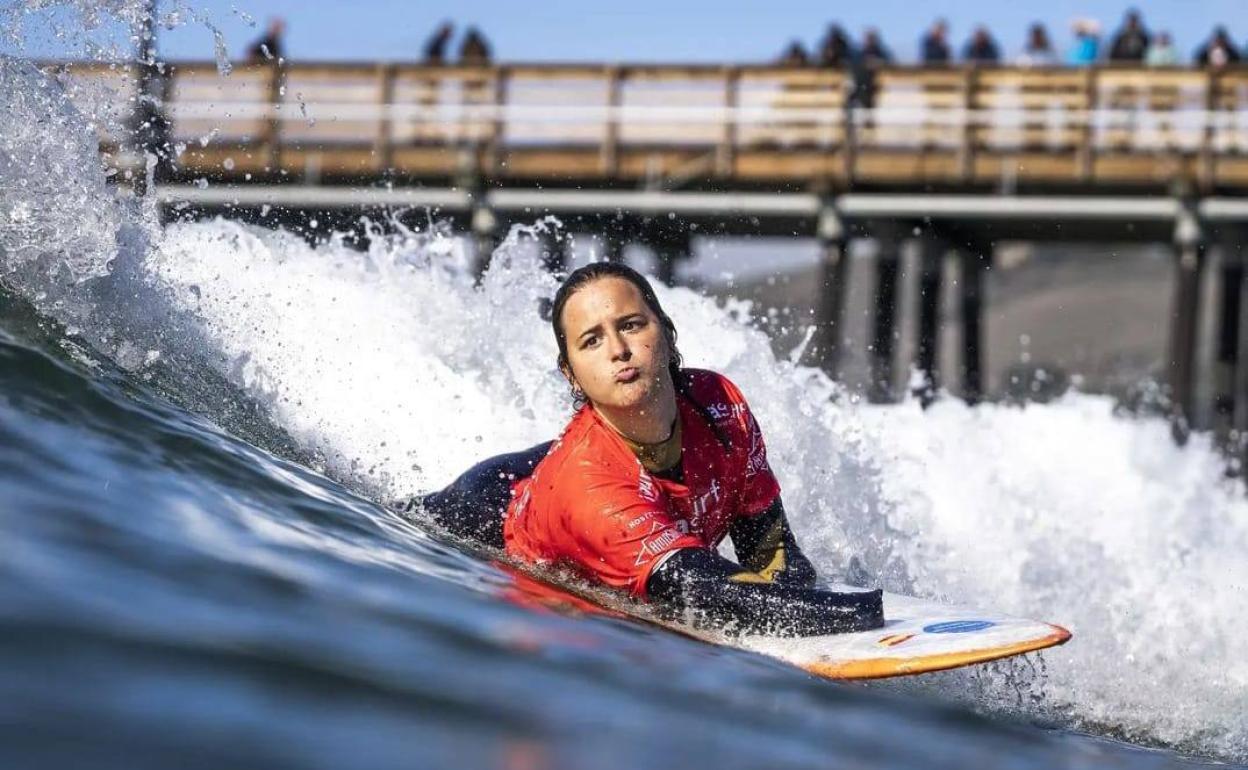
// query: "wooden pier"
[[996, 128], [959, 158]]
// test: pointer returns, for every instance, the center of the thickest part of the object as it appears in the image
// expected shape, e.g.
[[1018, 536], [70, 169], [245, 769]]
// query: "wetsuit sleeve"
[[700, 582], [617, 534], [768, 551]]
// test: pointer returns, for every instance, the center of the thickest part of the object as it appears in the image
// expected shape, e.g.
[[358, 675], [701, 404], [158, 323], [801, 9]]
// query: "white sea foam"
[[402, 374]]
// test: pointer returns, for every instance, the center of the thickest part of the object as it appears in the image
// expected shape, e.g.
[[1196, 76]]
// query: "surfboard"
[[918, 636]]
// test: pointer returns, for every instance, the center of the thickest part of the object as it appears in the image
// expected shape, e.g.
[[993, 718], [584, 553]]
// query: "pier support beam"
[[1239, 411], [554, 247], [1227, 356], [975, 261], [613, 243], [884, 331], [484, 236], [931, 267], [833, 285], [1189, 248]]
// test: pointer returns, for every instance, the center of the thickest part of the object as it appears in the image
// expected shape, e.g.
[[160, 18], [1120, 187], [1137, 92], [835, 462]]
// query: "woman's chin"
[[630, 395]]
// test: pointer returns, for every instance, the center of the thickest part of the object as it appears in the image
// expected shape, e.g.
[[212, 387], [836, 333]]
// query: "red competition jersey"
[[590, 504]]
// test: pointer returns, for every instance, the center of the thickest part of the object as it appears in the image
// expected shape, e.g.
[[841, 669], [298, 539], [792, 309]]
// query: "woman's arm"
[[702, 581], [766, 548]]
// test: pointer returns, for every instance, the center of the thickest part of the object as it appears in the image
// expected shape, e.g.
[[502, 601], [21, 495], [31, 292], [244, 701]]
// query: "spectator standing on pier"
[[1161, 52], [1131, 42], [835, 50], [1219, 51], [981, 48], [934, 47], [794, 56], [435, 46], [474, 50], [873, 52], [269, 47], [1039, 51], [1084, 50]]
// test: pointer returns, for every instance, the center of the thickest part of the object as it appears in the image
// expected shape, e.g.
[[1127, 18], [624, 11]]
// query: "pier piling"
[[1189, 249], [975, 260], [833, 285], [931, 264], [884, 330]]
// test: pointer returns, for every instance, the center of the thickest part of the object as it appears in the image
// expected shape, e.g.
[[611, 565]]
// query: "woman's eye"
[[590, 342], [630, 325]]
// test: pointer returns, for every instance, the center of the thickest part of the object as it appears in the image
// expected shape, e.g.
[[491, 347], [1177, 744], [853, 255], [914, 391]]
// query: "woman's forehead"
[[606, 297]]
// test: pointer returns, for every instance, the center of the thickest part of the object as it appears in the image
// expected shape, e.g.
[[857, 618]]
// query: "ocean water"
[[200, 424]]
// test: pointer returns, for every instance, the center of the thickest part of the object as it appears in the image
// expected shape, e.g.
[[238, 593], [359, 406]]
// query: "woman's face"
[[617, 351]]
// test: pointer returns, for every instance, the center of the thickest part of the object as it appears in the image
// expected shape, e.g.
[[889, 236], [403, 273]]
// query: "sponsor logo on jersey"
[[659, 539], [756, 459], [642, 519], [646, 487], [702, 501], [524, 501], [721, 411]]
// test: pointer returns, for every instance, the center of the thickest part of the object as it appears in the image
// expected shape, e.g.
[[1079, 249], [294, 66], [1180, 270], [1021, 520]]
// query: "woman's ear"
[[566, 371]]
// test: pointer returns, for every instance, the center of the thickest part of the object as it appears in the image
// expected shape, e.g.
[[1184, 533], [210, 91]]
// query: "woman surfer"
[[656, 467]]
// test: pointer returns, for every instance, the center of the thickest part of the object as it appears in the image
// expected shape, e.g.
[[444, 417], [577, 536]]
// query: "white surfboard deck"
[[918, 636]]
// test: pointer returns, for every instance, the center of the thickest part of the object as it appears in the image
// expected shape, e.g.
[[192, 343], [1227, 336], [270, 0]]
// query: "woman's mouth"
[[627, 374]]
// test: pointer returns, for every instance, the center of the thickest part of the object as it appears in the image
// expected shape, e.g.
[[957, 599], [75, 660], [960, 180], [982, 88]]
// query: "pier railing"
[[672, 124]]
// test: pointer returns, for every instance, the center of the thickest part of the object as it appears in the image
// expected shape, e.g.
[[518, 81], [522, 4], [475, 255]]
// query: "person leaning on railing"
[[1161, 52], [1219, 51], [981, 48], [1039, 51], [1084, 50], [835, 50], [934, 47], [1130, 44]]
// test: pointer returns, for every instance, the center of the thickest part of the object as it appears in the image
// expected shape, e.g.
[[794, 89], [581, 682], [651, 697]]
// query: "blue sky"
[[654, 30]]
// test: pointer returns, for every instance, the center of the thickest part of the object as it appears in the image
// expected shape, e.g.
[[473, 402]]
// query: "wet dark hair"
[[582, 277]]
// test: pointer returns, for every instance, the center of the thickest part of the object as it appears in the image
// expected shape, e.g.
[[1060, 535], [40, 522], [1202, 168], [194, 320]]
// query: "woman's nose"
[[619, 348]]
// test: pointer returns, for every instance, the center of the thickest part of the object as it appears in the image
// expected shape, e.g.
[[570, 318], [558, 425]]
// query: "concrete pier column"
[[825, 347], [931, 264], [884, 329], [1189, 251], [671, 248], [1239, 410], [554, 246], [1226, 355], [484, 226], [613, 243], [975, 261]]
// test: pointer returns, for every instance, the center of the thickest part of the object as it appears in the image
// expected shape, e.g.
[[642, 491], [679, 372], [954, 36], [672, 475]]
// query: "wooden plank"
[[383, 145], [426, 161], [728, 138], [217, 161]]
